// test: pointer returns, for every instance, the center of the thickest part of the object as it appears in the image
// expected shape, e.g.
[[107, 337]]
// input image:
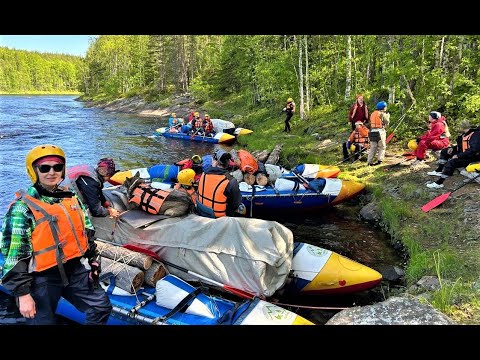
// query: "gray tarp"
[[250, 254]]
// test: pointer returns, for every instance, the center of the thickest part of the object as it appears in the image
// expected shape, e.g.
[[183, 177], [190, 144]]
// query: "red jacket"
[[437, 130]]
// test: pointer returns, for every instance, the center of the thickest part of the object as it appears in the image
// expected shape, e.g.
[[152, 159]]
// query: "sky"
[[61, 44]]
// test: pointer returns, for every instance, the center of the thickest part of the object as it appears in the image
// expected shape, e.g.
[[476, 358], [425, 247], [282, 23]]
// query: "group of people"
[[196, 125], [368, 133]]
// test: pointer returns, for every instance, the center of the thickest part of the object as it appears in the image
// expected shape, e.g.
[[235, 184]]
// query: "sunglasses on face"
[[46, 168]]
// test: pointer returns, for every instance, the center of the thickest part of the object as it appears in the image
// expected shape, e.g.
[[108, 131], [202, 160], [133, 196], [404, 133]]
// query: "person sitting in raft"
[[465, 152], [218, 192], [436, 138], [197, 125], [174, 123], [208, 126], [195, 163], [357, 142]]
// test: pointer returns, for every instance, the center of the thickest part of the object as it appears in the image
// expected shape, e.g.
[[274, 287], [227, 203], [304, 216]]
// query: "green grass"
[[438, 242]]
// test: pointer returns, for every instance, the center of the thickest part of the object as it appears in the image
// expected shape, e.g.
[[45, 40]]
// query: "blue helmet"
[[381, 105]]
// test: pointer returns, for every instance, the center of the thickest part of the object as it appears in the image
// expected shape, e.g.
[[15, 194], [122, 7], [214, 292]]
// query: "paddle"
[[241, 293], [442, 198], [407, 158]]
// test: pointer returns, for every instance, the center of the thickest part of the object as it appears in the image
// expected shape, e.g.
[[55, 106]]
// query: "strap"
[[186, 300]]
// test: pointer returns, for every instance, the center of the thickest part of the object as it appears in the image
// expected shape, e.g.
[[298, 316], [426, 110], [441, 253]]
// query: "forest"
[[27, 72]]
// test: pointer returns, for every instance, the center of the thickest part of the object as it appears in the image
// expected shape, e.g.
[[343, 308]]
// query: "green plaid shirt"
[[17, 227]]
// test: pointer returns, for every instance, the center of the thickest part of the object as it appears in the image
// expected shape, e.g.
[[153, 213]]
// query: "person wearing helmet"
[[453, 157], [208, 126], [377, 135], [46, 233], [174, 123], [358, 111], [197, 124], [357, 142], [87, 181], [290, 110], [218, 192], [435, 138], [186, 182]]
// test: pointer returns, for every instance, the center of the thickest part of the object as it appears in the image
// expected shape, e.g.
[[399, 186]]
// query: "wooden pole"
[[128, 278], [126, 256]]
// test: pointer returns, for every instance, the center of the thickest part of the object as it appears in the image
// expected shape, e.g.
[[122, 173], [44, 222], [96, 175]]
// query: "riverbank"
[[442, 243]]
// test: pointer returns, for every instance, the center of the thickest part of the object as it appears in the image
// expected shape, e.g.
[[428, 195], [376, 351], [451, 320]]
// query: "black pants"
[[287, 122], [47, 288], [453, 164]]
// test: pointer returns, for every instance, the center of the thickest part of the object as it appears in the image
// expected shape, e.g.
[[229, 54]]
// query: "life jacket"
[[74, 172], [198, 124], [211, 190], [208, 125], [148, 198], [290, 107], [59, 233], [466, 141], [376, 120], [190, 191], [359, 139], [248, 163]]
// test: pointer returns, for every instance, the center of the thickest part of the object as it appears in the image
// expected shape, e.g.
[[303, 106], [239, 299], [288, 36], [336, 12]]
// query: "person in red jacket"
[[436, 138], [358, 112]]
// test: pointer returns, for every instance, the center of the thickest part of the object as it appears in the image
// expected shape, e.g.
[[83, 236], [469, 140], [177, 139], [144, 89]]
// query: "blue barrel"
[[207, 161], [186, 128]]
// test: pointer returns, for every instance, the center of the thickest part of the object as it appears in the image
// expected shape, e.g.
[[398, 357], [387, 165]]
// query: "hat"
[[106, 167], [197, 159], [435, 115], [381, 105], [358, 122], [174, 115], [56, 159], [222, 156]]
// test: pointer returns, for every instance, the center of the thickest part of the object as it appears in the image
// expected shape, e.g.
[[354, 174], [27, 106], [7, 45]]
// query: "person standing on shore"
[[290, 110], [358, 112]]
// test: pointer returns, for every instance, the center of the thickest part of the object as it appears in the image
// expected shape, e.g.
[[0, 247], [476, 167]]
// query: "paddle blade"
[[389, 137], [142, 250], [435, 202]]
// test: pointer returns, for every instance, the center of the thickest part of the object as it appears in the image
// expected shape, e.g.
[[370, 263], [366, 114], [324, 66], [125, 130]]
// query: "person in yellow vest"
[[186, 183], [218, 192], [465, 152], [379, 120], [46, 234]]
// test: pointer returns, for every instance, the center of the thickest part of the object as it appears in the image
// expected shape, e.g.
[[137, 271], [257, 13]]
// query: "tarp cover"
[[250, 254]]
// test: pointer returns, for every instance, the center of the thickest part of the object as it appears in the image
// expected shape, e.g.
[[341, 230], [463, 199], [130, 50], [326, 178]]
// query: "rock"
[[369, 212], [405, 310], [390, 273]]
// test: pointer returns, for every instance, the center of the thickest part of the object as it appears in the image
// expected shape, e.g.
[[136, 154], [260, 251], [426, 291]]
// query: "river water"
[[88, 134]]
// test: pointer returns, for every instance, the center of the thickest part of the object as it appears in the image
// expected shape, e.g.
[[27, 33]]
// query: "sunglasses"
[[46, 168]]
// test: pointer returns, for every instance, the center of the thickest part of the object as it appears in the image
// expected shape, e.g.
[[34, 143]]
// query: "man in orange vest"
[[218, 192], [45, 235], [465, 152], [379, 120]]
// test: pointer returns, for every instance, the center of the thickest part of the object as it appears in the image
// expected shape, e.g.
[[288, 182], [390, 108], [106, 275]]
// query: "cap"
[[435, 115], [57, 159]]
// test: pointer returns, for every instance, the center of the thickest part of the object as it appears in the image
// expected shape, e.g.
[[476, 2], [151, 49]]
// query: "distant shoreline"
[[42, 93]]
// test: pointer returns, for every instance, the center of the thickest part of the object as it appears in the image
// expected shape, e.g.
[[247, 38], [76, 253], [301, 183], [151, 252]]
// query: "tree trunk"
[[128, 278], [155, 273], [121, 254], [307, 82], [348, 79], [300, 75], [274, 155]]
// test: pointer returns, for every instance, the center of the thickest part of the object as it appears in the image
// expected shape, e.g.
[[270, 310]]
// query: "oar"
[[442, 198], [241, 293], [407, 158]]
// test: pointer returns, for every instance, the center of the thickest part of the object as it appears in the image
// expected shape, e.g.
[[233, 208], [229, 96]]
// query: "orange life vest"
[[208, 125], [59, 233], [198, 124], [148, 198], [248, 163], [376, 120], [211, 193], [466, 141]]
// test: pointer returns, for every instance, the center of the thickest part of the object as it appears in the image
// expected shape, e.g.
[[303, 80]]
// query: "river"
[[88, 134]]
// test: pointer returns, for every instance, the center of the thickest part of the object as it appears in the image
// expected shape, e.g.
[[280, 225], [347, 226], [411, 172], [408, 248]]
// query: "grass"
[[439, 243]]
